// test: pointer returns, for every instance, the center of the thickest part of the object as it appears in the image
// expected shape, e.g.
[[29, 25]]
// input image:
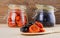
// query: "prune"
[[46, 17], [28, 25], [24, 29], [48, 24]]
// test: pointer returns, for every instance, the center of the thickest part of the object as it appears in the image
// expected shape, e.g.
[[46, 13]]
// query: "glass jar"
[[17, 15], [45, 15]]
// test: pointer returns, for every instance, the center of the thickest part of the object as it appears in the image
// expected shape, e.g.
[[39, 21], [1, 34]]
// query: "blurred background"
[[30, 5]]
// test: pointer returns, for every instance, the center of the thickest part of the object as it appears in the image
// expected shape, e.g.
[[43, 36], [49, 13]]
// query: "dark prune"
[[48, 24], [24, 29], [27, 25], [46, 17]]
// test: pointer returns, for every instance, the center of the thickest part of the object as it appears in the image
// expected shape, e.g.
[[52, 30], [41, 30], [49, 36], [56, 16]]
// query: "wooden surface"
[[7, 32], [30, 4]]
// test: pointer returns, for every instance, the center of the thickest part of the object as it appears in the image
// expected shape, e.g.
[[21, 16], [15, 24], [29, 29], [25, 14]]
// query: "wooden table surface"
[[7, 32]]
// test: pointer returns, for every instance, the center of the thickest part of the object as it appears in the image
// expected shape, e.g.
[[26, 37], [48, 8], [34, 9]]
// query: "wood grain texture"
[[30, 5]]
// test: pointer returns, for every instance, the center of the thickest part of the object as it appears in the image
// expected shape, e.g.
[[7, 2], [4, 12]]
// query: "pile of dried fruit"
[[17, 18], [33, 27]]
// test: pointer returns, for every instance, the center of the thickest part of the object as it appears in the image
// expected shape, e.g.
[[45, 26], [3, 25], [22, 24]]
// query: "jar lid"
[[13, 6], [38, 6], [48, 7]]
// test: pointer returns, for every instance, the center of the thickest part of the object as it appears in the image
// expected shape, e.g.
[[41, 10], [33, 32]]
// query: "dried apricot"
[[12, 24], [39, 24], [17, 18], [34, 28], [42, 30], [19, 23]]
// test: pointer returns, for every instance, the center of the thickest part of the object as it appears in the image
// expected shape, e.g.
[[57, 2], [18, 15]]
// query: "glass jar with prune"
[[45, 15], [17, 16]]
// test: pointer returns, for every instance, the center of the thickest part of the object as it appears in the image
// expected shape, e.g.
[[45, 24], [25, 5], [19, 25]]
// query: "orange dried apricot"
[[10, 24], [39, 24], [42, 30], [34, 28], [17, 18]]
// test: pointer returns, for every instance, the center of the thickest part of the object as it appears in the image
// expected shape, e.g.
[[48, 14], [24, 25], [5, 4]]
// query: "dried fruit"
[[24, 29], [12, 24], [34, 28], [39, 24], [19, 23], [17, 18], [42, 30]]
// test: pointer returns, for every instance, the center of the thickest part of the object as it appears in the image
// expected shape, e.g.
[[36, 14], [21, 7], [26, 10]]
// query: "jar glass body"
[[46, 16], [17, 16]]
